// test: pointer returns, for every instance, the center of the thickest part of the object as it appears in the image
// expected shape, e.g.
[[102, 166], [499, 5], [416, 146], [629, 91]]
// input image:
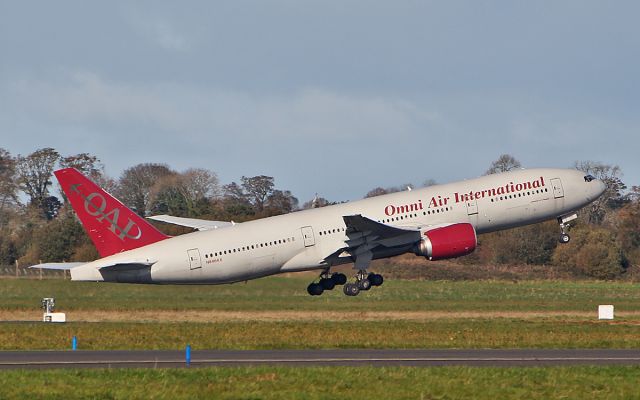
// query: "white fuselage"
[[303, 240]]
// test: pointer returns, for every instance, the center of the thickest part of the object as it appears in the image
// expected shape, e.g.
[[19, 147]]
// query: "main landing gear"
[[564, 226], [327, 282], [362, 281]]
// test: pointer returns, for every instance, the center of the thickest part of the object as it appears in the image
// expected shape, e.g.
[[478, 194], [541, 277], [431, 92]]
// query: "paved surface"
[[421, 358]]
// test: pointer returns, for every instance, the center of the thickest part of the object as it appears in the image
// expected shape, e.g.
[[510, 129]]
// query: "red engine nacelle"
[[447, 242]]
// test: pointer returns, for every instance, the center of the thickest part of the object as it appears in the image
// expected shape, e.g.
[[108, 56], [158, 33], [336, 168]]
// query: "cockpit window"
[[589, 178]]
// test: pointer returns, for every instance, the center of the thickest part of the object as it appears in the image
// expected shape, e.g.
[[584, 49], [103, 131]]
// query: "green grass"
[[325, 383], [279, 293], [441, 333], [274, 294], [288, 294]]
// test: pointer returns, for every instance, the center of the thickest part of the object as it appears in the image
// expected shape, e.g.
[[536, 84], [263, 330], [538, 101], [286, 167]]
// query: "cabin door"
[[307, 235], [557, 188], [472, 206], [194, 259]]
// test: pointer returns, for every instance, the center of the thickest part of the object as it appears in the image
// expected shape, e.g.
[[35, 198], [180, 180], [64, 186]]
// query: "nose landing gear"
[[564, 226]]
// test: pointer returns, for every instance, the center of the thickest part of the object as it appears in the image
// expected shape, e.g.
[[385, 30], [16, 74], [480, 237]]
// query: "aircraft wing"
[[366, 226], [199, 224], [365, 234]]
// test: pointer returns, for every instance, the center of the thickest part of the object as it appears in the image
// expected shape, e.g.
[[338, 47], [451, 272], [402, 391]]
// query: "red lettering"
[[389, 210]]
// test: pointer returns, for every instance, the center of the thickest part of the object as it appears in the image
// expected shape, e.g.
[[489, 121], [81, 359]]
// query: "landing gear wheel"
[[375, 279], [564, 226], [364, 284], [315, 289], [327, 283], [339, 279], [351, 289]]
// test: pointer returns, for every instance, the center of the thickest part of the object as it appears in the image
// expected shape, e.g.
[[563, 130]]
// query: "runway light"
[[187, 355], [74, 343]]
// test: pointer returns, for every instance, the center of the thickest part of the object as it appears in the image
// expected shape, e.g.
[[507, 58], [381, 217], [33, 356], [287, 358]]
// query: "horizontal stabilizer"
[[127, 265], [199, 224], [58, 266]]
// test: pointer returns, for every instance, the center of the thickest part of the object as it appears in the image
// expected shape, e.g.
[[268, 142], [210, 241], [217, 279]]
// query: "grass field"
[[277, 313], [445, 333], [283, 294], [325, 383]]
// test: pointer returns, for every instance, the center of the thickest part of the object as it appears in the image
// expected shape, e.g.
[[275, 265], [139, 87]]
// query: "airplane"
[[437, 222]]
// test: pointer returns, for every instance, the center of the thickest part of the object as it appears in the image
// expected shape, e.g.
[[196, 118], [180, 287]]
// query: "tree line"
[[36, 225]]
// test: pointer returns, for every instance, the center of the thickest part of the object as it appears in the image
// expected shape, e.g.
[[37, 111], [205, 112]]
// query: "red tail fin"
[[112, 226]]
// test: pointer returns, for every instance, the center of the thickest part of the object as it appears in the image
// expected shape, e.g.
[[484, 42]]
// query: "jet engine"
[[450, 241]]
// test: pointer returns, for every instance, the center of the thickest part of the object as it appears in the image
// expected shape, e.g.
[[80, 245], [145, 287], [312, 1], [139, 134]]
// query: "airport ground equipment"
[[49, 305]]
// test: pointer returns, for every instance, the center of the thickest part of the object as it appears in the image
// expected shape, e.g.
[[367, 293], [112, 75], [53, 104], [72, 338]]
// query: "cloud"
[[86, 98], [364, 139], [158, 30]]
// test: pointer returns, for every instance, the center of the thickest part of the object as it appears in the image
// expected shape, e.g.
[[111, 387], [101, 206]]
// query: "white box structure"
[[605, 311], [54, 317]]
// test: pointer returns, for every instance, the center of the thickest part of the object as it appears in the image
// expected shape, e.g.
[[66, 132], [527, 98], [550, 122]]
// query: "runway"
[[339, 357]]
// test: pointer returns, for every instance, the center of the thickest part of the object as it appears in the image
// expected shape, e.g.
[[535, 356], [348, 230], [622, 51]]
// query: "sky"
[[329, 97]]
